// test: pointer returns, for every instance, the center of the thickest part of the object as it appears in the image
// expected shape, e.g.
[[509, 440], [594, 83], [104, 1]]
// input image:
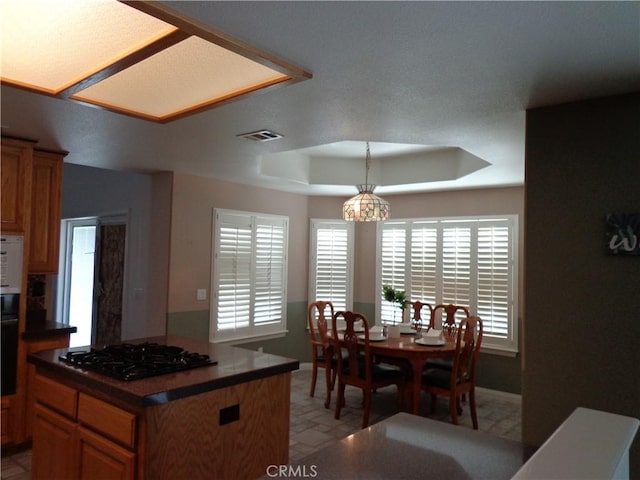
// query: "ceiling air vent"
[[261, 136]]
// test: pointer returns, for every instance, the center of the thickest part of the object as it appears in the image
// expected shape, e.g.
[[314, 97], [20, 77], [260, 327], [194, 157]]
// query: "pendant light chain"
[[367, 162]]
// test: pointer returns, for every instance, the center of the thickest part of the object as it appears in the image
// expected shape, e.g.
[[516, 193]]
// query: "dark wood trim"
[[194, 27], [159, 45]]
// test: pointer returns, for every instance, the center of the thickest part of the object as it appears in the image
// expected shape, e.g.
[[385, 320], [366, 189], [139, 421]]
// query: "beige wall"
[[194, 199]]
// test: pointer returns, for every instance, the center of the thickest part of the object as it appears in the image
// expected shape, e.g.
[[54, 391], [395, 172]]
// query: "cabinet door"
[[6, 417], [16, 184], [100, 458], [61, 341], [54, 446], [46, 189]]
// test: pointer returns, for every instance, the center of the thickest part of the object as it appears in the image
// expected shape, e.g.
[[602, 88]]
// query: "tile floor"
[[314, 427]]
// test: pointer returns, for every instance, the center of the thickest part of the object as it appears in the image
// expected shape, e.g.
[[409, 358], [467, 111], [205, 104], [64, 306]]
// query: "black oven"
[[10, 308]]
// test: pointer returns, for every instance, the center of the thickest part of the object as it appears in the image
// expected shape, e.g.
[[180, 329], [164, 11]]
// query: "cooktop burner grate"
[[135, 361]]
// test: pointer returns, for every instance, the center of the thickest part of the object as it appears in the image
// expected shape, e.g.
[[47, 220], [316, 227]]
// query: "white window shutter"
[[269, 271], [456, 265], [424, 263], [233, 266], [249, 275], [393, 263], [494, 279], [331, 269], [465, 261]]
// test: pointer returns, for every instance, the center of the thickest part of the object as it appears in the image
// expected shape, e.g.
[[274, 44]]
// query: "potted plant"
[[399, 297]]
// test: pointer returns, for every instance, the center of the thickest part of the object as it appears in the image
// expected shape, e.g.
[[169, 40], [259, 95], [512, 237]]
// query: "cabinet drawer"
[[111, 421], [55, 395]]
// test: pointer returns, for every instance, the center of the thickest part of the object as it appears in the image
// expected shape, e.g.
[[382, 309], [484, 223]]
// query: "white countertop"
[[409, 447], [589, 444]]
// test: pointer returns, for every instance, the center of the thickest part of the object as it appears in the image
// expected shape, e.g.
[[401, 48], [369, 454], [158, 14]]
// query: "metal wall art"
[[623, 233]]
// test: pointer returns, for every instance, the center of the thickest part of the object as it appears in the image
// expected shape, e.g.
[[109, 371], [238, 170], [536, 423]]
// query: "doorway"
[[92, 273]]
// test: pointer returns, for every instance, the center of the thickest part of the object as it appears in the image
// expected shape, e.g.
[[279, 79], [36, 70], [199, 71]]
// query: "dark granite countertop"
[[412, 447], [45, 329], [235, 365]]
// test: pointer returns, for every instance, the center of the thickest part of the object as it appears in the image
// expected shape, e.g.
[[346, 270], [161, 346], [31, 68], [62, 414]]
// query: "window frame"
[[253, 330], [402, 277], [315, 225]]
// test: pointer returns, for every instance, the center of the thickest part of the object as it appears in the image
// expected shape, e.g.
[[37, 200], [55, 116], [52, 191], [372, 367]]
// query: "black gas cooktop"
[[135, 361]]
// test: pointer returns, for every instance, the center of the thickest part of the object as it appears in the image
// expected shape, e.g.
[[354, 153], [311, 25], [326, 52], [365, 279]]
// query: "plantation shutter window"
[[424, 264], [464, 261], [249, 272], [456, 265], [393, 261], [495, 277], [331, 263]]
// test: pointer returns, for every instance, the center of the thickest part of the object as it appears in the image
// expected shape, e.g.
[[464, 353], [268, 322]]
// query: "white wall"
[[89, 192]]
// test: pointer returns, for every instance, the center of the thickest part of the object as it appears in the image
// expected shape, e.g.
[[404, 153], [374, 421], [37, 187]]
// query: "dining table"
[[408, 346]]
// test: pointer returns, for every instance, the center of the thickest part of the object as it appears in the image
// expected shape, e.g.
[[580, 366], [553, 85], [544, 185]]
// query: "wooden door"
[[110, 283]]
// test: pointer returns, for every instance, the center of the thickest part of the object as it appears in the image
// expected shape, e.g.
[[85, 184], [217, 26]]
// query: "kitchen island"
[[221, 421]]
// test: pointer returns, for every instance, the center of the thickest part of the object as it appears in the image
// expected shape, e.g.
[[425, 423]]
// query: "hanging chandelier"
[[365, 206]]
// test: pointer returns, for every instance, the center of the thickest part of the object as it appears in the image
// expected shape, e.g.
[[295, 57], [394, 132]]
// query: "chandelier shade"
[[366, 206]]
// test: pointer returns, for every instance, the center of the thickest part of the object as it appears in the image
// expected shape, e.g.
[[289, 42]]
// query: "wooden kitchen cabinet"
[[6, 418], [16, 184], [55, 436], [75, 452], [77, 436], [46, 193], [33, 346], [100, 458], [228, 420]]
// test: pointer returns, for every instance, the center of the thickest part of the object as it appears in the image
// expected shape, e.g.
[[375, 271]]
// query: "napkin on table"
[[433, 333]]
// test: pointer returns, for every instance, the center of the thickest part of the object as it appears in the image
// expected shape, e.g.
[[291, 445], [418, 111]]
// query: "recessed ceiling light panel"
[[65, 41], [139, 58]]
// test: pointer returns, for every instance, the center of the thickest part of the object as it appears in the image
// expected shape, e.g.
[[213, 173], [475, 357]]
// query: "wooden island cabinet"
[[224, 421]]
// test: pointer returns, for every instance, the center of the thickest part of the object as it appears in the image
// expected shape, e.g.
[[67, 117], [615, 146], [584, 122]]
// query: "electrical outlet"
[[201, 294]]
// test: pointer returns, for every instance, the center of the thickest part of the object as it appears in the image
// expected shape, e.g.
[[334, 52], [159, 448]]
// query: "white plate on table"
[[373, 338], [430, 342]]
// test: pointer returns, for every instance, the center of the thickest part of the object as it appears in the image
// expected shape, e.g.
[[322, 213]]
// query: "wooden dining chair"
[[461, 379], [451, 316], [449, 312], [319, 314], [356, 366], [417, 320]]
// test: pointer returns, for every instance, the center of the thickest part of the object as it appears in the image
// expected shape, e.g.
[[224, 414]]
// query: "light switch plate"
[[201, 294]]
